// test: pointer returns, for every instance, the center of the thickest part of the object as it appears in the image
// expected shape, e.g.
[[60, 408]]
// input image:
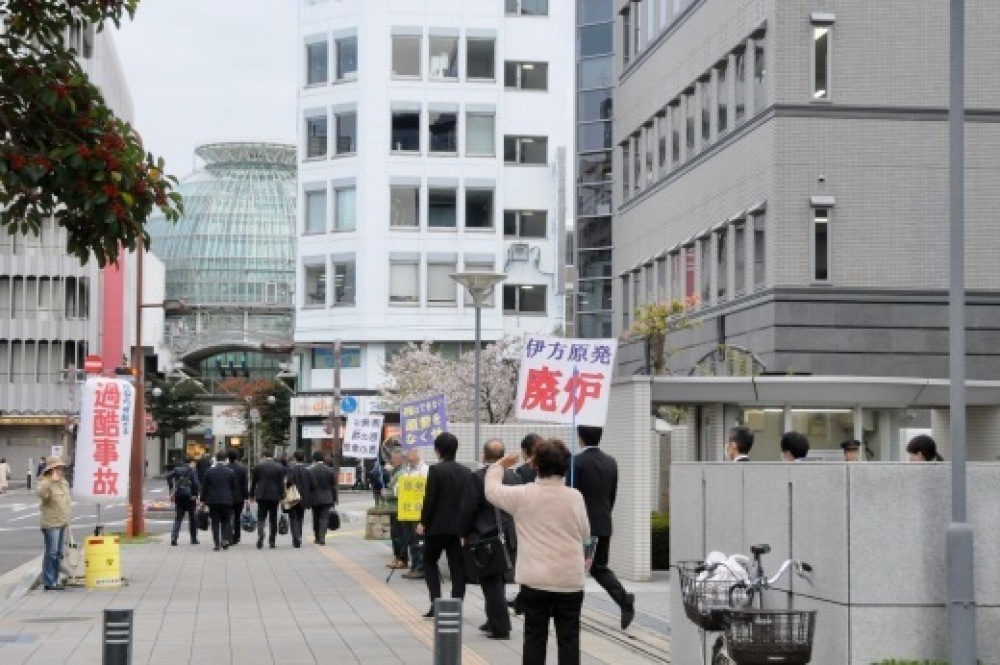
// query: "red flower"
[[18, 162], [109, 190], [83, 150]]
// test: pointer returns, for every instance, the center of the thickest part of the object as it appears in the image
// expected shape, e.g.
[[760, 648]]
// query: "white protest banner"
[[361, 440], [104, 440], [565, 380]]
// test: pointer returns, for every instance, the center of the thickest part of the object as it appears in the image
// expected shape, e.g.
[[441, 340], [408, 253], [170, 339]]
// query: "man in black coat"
[[218, 492], [241, 495], [479, 522], [184, 490], [323, 498], [267, 490], [439, 519], [298, 474], [595, 475], [203, 465]]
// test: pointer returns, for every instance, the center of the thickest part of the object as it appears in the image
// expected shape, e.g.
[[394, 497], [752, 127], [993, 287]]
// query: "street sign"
[[93, 364], [349, 404], [255, 415]]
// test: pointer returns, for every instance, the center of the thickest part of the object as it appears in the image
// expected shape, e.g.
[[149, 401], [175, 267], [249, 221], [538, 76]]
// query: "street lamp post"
[[480, 286], [136, 524]]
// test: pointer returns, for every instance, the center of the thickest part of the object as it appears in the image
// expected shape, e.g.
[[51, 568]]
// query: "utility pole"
[[136, 524]]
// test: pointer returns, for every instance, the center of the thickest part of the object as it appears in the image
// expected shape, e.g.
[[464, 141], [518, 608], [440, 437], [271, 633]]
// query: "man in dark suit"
[[595, 475], [738, 444], [240, 472], [218, 492], [299, 475], [323, 498], [439, 519], [526, 471], [479, 522], [267, 489], [203, 465], [184, 489]]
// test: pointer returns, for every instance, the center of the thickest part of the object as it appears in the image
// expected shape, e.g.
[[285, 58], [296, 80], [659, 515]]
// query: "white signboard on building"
[[362, 437], [227, 421], [565, 381], [104, 440]]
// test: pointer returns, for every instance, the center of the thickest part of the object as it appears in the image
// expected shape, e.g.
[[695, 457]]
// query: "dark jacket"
[[268, 481], [219, 487], [184, 471], [325, 477], [300, 476], [241, 481], [526, 473], [446, 483], [595, 474], [203, 464], [479, 519]]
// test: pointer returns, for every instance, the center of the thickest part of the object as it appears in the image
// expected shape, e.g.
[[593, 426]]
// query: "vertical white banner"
[[104, 440], [363, 435]]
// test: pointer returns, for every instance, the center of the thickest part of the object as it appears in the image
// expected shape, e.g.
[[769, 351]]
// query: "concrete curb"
[[19, 581]]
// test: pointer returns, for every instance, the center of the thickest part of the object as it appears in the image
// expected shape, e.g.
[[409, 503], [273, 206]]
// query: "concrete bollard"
[[117, 637], [447, 631]]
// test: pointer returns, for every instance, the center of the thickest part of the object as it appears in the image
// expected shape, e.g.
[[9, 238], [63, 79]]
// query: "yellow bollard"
[[103, 563]]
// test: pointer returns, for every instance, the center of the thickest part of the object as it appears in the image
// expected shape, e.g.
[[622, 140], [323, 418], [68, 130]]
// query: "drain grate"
[[57, 619], [17, 639]]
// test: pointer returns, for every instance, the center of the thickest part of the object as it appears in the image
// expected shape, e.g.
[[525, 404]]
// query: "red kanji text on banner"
[[565, 380], [104, 440]]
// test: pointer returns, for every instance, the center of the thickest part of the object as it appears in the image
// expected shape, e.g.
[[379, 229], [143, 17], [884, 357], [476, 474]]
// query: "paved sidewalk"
[[288, 606]]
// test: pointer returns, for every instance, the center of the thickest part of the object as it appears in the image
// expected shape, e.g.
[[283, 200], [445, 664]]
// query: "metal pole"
[[961, 590], [477, 300], [136, 467]]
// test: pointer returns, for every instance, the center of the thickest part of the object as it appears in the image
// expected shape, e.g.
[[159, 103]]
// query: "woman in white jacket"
[[552, 528]]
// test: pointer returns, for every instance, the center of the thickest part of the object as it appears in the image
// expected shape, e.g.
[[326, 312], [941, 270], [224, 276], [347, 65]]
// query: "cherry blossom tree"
[[63, 152], [417, 371]]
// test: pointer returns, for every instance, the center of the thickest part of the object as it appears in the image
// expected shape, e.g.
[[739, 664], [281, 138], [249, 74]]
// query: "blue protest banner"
[[422, 420]]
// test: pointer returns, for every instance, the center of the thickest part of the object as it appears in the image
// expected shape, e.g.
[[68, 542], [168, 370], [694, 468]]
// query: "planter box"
[[377, 521]]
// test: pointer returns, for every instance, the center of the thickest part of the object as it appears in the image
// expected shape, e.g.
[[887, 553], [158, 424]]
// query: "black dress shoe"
[[429, 614], [196, 542], [173, 543], [216, 548], [55, 587], [273, 546], [498, 636], [485, 627], [628, 611], [225, 546], [296, 543], [260, 544]]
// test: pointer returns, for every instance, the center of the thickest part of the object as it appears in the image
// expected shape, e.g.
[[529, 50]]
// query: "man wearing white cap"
[[54, 492]]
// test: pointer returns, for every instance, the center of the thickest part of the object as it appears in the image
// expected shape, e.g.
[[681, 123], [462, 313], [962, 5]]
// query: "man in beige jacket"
[[55, 508]]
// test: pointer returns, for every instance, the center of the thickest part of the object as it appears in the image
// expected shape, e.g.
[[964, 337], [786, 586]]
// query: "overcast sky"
[[210, 70]]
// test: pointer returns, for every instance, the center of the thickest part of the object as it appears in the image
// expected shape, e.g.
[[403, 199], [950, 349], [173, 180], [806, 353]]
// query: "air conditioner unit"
[[519, 251]]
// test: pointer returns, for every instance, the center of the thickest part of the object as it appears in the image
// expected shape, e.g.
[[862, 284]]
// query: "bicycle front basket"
[[761, 637], [705, 600]]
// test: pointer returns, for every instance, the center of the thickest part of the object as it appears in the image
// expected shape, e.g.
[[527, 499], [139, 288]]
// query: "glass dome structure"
[[231, 257]]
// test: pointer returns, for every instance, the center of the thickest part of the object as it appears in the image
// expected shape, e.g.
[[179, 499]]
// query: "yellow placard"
[[410, 491]]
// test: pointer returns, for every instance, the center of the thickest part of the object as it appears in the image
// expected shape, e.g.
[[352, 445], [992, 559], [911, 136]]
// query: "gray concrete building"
[[785, 164]]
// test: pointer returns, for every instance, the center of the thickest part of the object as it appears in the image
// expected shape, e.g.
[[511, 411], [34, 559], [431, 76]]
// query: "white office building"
[[435, 136]]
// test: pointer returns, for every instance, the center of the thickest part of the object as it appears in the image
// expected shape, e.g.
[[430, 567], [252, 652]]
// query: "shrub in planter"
[[660, 541]]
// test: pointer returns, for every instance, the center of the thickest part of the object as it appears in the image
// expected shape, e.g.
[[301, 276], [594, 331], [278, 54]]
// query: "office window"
[[705, 245], [741, 86], [821, 61], [721, 265], [524, 299], [596, 73], [661, 141], [406, 56], [626, 37], [443, 57], [821, 245], [722, 96], [676, 276], [626, 303], [690, 276], [345, 214], [526, 75], [636, 28], [479, 208], [405, 131], [626, 168], [480, 58], [317, 63], [661, 279], [595, 105], [316, 137], [636, 291], [315, 277], [524, 223], [595, 167], [593, 136], [706, 112], [527, 7], [480, 135], [675, 134], [595, 40], [441, 288], [525, 149], [404, 283], [442, 208], [637, 161], [344, 287], [689, 112], [759, 251], [347, 132], [650, 147], [315, 212], [347, 58], [442, 126], [404, 206], [759, 73], [648, 285], [740, 247]]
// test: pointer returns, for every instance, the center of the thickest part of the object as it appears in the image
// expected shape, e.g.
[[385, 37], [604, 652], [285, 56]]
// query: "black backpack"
[[182, 486]]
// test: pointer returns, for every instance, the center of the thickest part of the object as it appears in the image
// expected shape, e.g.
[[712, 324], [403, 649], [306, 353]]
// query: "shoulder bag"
[[292, 496], [488, 557], [202, 517], [334, 522]]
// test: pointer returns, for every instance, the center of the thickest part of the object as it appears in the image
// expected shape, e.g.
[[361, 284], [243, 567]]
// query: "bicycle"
[[732, 603]]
